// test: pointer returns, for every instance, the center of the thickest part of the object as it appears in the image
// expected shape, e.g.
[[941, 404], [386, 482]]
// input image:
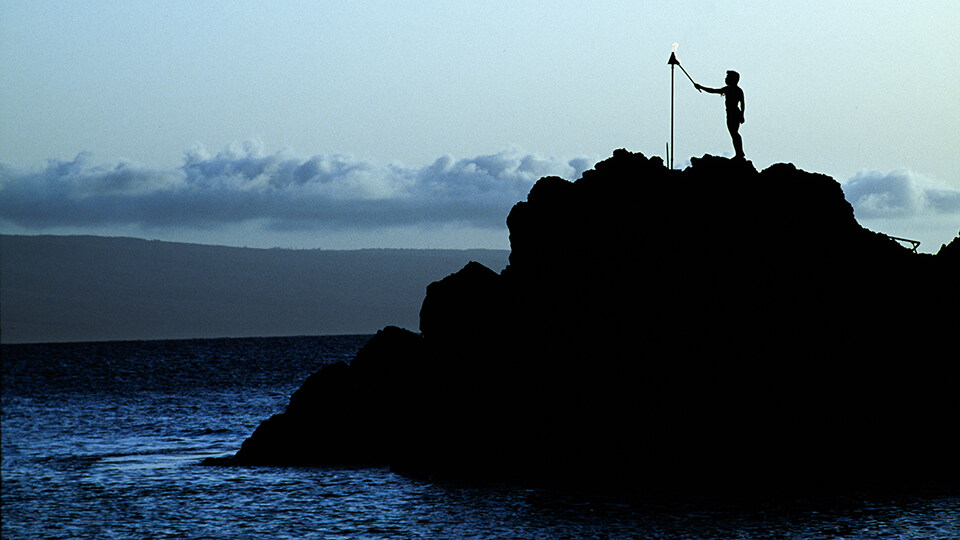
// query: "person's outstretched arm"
[[707, 89]]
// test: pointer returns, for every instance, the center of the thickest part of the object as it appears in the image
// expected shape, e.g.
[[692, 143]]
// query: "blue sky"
[[418, 124]]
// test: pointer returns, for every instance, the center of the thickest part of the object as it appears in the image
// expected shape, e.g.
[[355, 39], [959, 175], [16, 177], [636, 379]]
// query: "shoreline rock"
[[716, 328]]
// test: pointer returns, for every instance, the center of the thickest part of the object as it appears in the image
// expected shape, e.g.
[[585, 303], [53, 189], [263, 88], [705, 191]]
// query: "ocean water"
[[105, 440]]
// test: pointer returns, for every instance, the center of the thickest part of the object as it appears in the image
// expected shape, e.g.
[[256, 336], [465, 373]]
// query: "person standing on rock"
[[733, 98]]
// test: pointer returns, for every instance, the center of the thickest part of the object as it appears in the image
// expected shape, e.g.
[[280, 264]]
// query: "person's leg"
[[734, 126]]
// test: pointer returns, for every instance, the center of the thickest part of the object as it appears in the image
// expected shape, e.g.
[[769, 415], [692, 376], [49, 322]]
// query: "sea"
[[106, 439]]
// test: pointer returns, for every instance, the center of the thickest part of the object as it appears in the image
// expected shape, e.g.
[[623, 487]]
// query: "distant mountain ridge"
[[90, 288]]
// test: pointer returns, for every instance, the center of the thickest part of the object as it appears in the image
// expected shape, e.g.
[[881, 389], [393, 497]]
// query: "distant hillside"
[[84, 288]]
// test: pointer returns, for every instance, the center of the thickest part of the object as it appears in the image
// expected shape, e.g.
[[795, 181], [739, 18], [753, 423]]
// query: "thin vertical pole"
[[671, 114]]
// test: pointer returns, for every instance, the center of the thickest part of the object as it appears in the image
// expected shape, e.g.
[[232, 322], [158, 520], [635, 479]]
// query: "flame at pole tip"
[[673, 55]]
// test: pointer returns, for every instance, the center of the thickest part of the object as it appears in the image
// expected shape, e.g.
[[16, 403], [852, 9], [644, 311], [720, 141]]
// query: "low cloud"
[[899, 194], [285, 192], [242, 184]]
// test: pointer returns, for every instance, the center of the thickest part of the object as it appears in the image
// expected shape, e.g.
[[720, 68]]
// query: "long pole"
[[671, 115], [688, 76]]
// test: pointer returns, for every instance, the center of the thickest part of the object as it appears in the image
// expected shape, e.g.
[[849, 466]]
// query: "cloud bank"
[[899, 194], [242, 184], [246, 196]]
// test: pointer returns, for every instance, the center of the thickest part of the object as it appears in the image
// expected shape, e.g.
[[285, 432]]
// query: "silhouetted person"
[[735, 107]]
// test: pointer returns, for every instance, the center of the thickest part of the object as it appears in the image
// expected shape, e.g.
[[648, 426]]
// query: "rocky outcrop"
[[713, 327]]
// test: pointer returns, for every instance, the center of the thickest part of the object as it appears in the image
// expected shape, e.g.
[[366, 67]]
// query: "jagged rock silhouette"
[[710, 328]]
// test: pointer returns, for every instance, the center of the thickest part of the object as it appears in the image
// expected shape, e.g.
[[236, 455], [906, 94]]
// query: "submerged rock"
[[710, 328]]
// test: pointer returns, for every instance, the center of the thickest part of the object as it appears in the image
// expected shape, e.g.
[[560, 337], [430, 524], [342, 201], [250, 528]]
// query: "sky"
[[345, 125]]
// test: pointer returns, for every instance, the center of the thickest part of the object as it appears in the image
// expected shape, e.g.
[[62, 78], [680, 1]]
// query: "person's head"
[[732, 77]]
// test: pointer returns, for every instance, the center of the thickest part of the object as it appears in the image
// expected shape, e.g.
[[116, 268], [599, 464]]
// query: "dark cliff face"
[[706, 327], [715, 257]]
